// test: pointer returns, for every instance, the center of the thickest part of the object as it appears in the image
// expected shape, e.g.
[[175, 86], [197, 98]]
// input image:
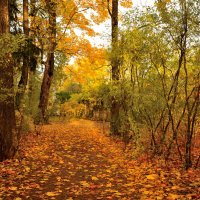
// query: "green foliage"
[[159, 84], [63, 97], [10, 43]]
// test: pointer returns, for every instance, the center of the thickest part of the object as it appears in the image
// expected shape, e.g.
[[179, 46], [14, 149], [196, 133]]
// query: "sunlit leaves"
[[93, 66], [126, 4]]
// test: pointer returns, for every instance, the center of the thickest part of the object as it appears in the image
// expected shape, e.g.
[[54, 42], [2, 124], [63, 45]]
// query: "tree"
[[183, 36], [49, 65], [115, 107], [25, 67], [34, 51], [8, 137]]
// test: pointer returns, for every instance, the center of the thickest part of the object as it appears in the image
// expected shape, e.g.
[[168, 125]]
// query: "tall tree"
[[8, 137], [24, 76], [49, 65], [34, 52], [115, 107]]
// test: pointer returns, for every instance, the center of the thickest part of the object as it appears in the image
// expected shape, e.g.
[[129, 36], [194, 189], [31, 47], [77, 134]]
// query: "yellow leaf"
[[61, 162], [173, 196], [132, 190], [118, 193], [129, 184], [175, 187], [94, 178], [109, 185], [27, 169], [13, 188], [146, 192], [152, 176], [84, 184], [18, 198], [51, 194]]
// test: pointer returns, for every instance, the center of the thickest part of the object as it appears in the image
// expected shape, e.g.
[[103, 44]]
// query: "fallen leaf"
[[84, 183], [51, 194], [109, 185], [152, 176], [173, 196], [94, 178], [13, 188]]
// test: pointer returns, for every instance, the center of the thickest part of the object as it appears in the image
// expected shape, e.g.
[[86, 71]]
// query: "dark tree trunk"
[[49, 66], [24, 76], [8, 137], [46, 84], [115, 106]]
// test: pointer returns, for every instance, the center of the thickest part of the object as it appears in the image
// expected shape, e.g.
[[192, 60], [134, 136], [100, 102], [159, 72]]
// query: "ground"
[[77, 160]]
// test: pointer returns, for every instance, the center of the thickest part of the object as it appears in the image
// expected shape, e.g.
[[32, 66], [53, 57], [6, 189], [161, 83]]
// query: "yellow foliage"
[[126, 3], [89, 70]]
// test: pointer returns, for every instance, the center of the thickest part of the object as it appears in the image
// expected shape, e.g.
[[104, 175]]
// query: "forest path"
[[75, 160]]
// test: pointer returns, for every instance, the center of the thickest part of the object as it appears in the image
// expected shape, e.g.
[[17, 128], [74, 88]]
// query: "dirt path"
[[76, 161]]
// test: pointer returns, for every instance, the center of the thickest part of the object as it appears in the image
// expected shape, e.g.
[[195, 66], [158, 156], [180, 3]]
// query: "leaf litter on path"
[[75, 160]]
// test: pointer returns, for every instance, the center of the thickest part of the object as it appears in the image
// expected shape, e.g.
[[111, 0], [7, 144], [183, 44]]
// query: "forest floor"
[[76, 160]]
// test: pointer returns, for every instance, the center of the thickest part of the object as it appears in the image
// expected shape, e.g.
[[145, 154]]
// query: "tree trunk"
[[49, 66], [32, 57], [115, 106], [24, 76], [8, 137]]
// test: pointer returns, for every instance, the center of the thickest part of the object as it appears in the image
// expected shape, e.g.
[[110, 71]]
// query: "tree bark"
[[115, 106], [49, 65], [8, 136]]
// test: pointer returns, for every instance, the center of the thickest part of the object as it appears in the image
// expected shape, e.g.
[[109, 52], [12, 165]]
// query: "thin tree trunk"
[[49, 65], [115, 106], [8, 136], [32, 57], [24, 76]]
